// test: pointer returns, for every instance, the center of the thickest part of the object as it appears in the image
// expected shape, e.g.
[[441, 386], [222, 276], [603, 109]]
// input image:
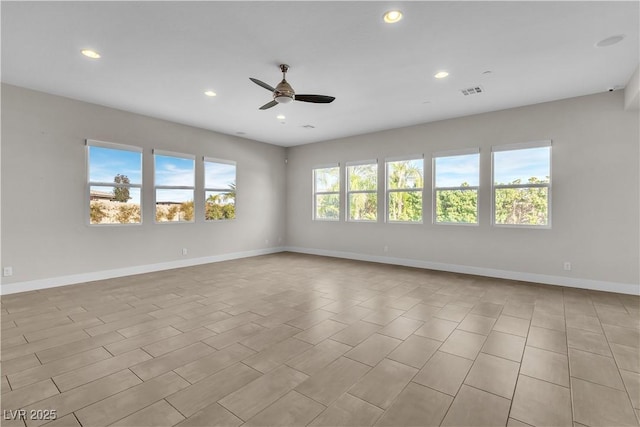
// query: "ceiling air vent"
[[309, 126], [472, 90]]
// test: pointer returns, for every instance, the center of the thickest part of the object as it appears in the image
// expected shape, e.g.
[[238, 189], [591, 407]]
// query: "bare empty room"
[[346, 213]]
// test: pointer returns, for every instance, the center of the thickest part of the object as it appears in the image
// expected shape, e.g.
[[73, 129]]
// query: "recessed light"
[[90, 53], [280, 117], [487, 72], [210, 93], [392, 16], [440, 74], [610, 40]]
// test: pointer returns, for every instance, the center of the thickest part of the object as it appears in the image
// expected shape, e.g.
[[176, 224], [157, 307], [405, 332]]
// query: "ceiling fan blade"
[[318, 99], [263, 84], [269, 105]]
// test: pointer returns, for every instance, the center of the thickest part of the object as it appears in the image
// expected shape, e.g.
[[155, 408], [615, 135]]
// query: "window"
[[174, 186], [404, 190], [219, 189], [522, 184], [362, 191], [114, 183], [326, 193], [456, 178]]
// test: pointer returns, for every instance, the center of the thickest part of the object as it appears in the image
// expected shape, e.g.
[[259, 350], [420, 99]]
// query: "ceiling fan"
[[283, 93]]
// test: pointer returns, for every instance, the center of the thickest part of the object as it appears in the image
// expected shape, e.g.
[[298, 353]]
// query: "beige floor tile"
[[626, 357], [170, 361], [383, 316], [545, 365], [548, 321], [415, 351], [372, 350], [8, 342], [437, 329], [623, 336], [540, 403], [137, 341], [444, 372], [355, 333], [473, 407], [49, 332], [276, 355], [78, 398], [179, 341], [618, 318], [19, 364], [596, 405], [233, 336], [547, 339], [102, 413], [60, 366], [22, 397], [293, 409], [504, 345], [595, 368], [404, 303], [209, 390], [141, 328], [417, 406], [588, 341], [101, 369], [477, 324], [584, 322], [632, 384], [516, 309], [422, 312], [327, 384], [348, 410], [66, 421], [512, 422], [160, 414], [232, 323], [320, 332], [119, 324], [212, 416], [35, 347], [269, 337], [382, 384], [452, 312], [5, 387], [512, 325], [260, 393], [488, 309], [278, 318], [494, 374], [463, 344], [401, 327], [208, 365], [311, 318], [351, 315], [317, 357]]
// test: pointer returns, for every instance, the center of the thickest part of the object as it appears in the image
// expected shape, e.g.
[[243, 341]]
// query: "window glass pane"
[[457, 206], [174, 171], [107, 163], [113, 205], [362, 177], [405, 206], [363, 206], [327, 179], [458, 171], [220, 205], [174, 205], [531, 165], [405, 174], [522, 206], [219, 175], [327, 206]]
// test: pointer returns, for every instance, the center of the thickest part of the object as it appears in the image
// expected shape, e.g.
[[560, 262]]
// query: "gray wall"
[[44, 227], [595, 167]]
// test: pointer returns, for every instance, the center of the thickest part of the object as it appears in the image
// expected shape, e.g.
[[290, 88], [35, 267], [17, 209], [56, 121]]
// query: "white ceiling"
[[159, 57]]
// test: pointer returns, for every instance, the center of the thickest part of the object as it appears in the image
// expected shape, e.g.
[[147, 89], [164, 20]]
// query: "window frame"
[[349, 192], [435, 189], [206, 160], [88, 184], [388, 190], [548, 186], [156, 187], [314, 216]]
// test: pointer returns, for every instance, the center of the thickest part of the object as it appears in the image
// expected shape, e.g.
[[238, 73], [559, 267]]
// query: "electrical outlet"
[[7, 271], [567, 266], [184, 251]]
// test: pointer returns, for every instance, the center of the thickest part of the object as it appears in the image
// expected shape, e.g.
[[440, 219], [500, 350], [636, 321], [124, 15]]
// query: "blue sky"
[[521, 164], [452, 171], [106, 163], [219, 175]]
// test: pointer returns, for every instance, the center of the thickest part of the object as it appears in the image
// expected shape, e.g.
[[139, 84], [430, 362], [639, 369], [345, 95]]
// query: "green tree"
[[457, 206], [524, 205], [128, 213], [97, 212], [221, 205], [186, 210], [363, 206], [121, 194], [405, 205]]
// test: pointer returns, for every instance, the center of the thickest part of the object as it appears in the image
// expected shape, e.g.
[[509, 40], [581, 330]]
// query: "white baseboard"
[[596, 285], [53, 282]]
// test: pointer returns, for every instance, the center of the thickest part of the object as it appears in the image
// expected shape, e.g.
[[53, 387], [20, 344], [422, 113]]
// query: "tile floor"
[[290, 339]]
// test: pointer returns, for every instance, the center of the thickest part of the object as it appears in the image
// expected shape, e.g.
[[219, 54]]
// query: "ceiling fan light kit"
[[283, 93]]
